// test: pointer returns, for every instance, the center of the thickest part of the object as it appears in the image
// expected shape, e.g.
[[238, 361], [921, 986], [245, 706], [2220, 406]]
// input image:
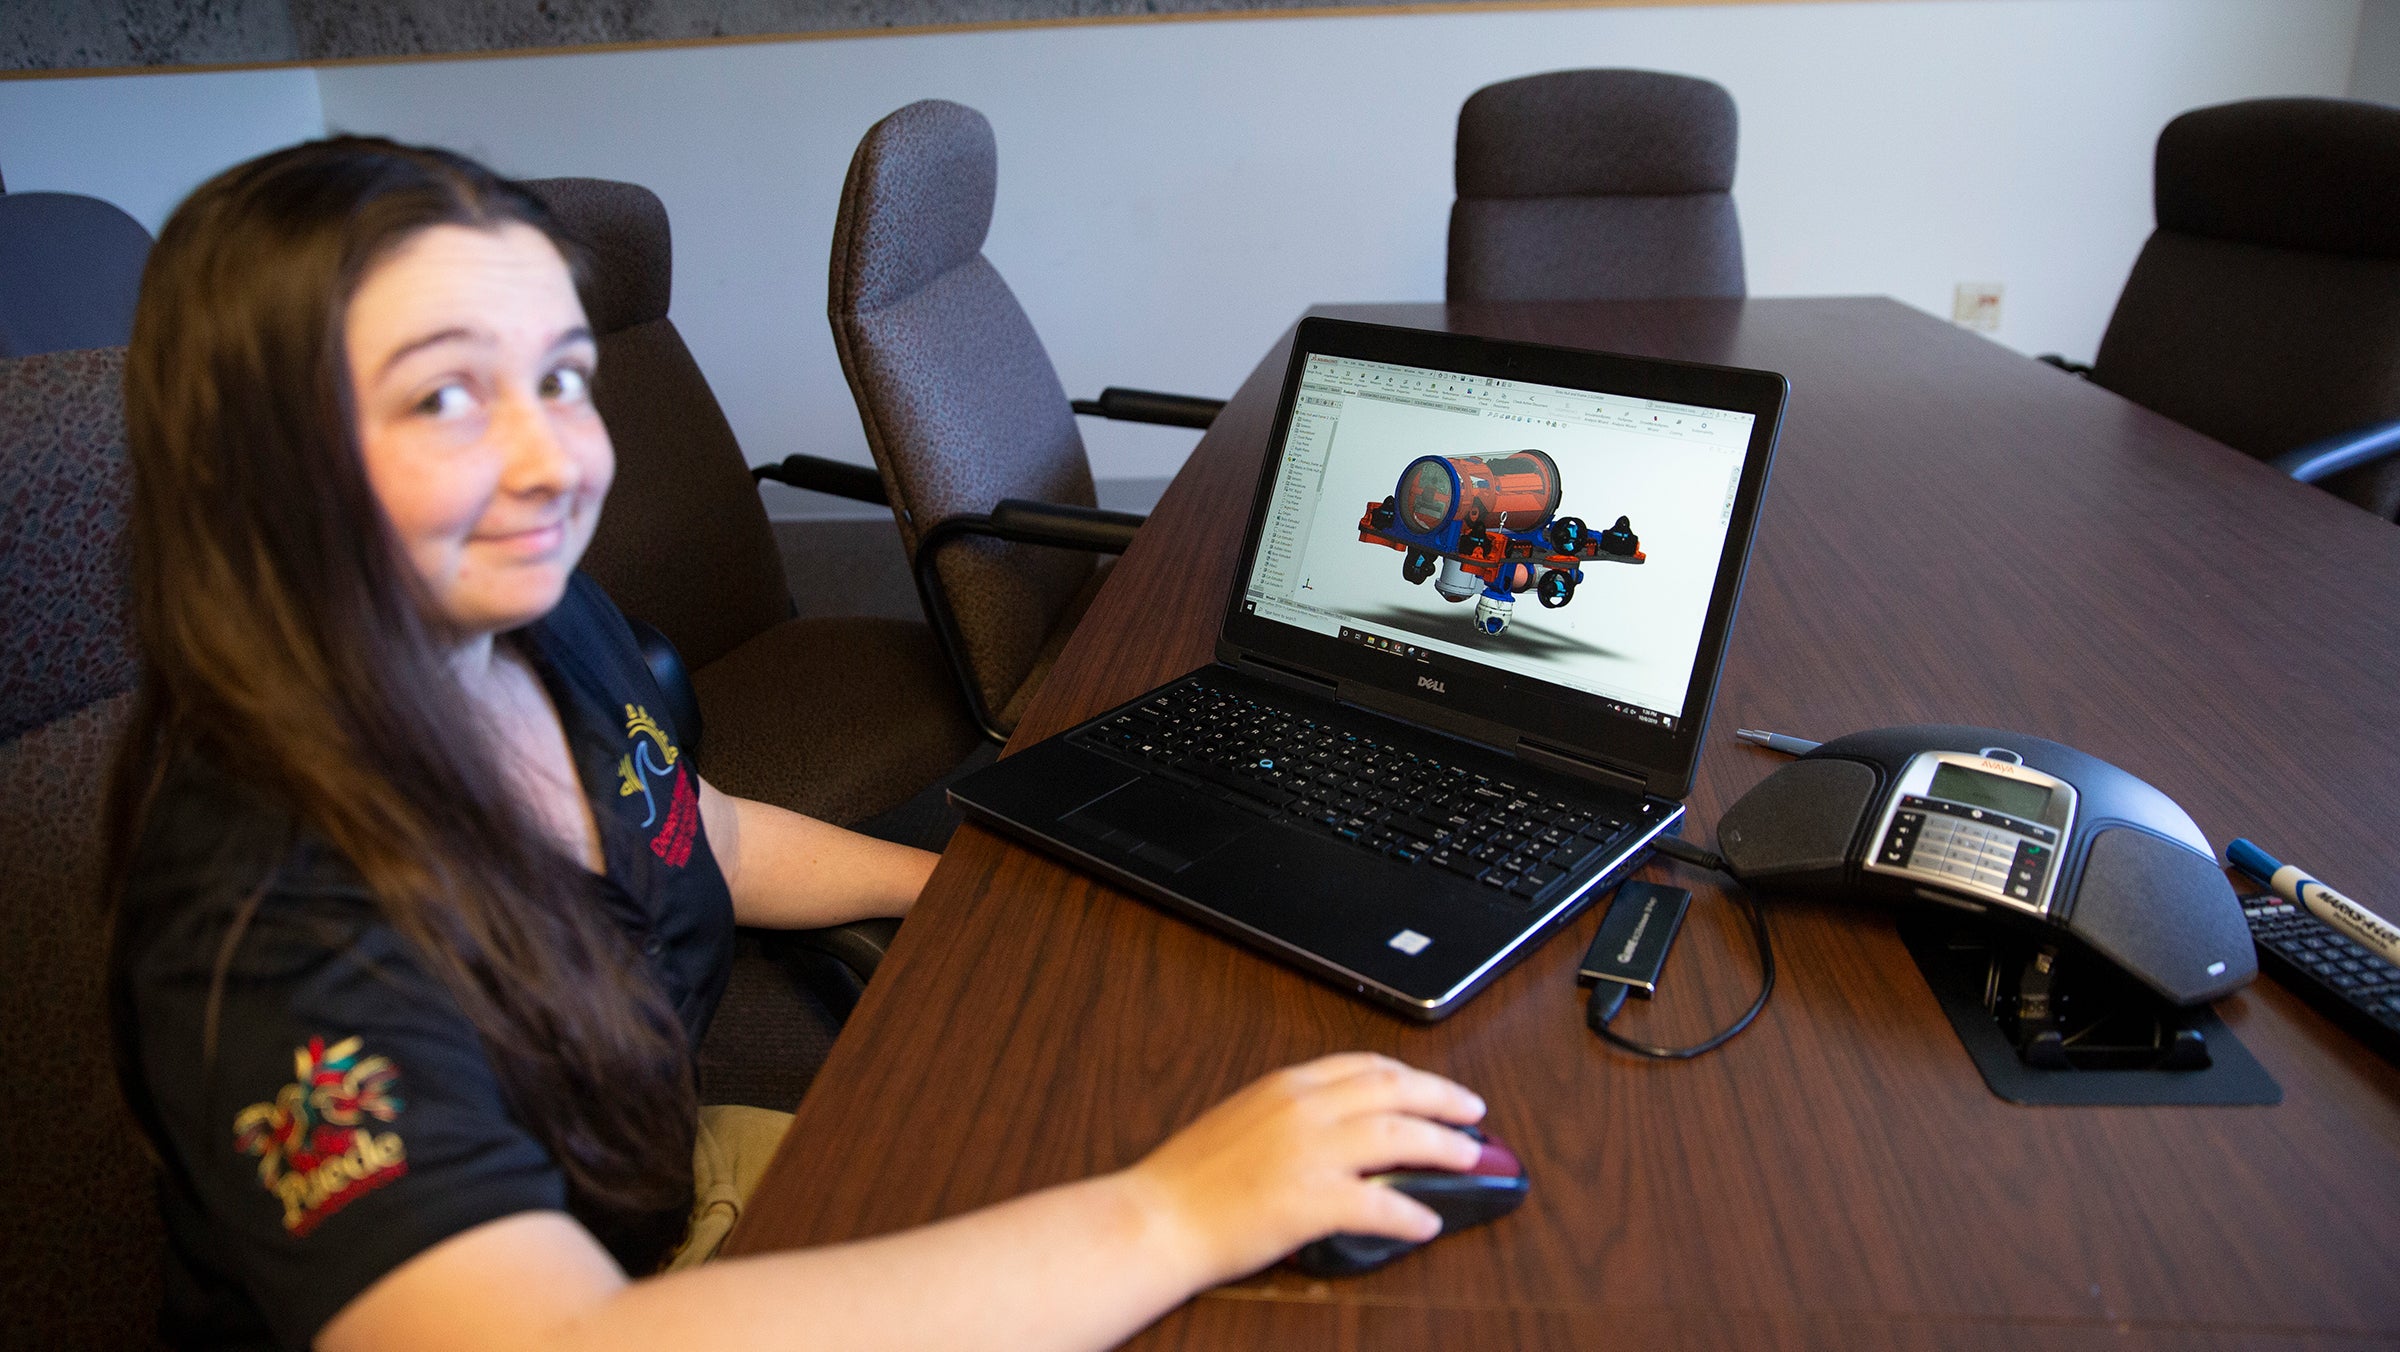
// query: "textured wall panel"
[[107, 34], [104, 34]]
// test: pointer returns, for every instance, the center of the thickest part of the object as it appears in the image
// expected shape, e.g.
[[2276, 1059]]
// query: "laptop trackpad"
[[1170, 828]]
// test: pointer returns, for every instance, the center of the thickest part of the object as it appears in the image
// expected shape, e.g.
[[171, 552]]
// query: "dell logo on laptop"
[[1428, 683]]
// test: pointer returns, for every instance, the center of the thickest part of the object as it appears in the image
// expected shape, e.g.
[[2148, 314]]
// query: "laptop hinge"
[[1580, 765], [1277, 671]]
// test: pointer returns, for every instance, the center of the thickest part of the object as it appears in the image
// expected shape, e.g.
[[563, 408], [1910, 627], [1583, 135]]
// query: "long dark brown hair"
[[286, 640]]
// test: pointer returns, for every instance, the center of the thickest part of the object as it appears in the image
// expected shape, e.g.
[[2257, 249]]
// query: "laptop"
[[1463, 674]]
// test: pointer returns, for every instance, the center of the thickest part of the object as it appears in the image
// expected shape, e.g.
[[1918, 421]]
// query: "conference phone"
[[2031, 834]]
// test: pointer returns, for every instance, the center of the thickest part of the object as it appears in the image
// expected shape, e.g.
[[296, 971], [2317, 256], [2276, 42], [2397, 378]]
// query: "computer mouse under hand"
[[1490, 1188]]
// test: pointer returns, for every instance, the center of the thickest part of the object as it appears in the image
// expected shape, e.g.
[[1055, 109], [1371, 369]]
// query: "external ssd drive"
[[1635, 935]]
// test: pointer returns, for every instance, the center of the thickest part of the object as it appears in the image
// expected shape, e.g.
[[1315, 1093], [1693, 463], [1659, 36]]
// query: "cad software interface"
[[1564, 535]]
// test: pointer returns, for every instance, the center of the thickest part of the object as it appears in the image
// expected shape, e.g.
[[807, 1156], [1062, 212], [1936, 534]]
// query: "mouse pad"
[[1166, 827]]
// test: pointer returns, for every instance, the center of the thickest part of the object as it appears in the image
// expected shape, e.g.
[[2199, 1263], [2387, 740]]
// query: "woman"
[[421, 912]]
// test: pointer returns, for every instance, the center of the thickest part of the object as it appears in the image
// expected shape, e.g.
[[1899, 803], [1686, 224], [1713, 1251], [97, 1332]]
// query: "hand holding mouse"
[[1491, 1189], [1288, 1159]]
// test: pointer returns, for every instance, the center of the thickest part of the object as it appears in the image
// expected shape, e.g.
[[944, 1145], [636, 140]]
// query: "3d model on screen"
[[1490, 526]]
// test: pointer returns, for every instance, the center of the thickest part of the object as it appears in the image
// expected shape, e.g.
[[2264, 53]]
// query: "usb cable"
[[1608, 997]]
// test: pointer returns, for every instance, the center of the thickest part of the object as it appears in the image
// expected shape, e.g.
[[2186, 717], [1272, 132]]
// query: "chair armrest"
[[2073, 368], [666, 667], [2320, 460], [1172, 410], [832, 965], [860, 483], [1068, 527], [858, 946], [1020, 521]]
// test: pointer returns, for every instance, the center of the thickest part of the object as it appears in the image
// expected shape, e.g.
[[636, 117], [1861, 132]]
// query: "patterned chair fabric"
[[683, 542], [961, 404], [2265, 309], [63, 641], [838, 718], [70, 267], [1596, 185], [83, 1264]]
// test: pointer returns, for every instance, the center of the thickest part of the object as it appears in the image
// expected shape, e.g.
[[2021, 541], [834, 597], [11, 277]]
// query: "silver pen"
[[1776, 741]]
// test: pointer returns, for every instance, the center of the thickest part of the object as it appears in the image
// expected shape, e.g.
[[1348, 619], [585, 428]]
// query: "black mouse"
[[1491, 1187]]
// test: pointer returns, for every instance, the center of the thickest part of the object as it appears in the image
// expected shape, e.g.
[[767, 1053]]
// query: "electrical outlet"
[[1977, 306]]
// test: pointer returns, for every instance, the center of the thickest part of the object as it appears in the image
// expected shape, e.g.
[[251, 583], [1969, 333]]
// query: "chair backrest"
[[1596, 185], [684, 543], [85, 1247], [2265, 308], [70, 267], [961, 404]]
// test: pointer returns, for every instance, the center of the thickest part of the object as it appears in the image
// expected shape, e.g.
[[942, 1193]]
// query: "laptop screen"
[[1567, 536]]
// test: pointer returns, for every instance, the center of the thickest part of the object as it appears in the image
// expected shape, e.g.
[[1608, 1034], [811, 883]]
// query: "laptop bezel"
[[1477, 702]]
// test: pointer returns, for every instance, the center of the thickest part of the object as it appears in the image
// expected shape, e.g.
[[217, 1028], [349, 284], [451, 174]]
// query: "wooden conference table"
[[1952, 533]]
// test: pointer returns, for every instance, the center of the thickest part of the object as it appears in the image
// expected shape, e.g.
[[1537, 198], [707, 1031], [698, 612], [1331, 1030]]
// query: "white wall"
[[1172, 194], [2375, 70], [144, 141]]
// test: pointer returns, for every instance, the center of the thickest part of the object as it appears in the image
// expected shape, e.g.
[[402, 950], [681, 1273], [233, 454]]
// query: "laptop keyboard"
[[1399, 803]]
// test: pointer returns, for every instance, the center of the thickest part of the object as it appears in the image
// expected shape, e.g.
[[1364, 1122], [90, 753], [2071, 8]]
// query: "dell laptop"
[[1464, 672]]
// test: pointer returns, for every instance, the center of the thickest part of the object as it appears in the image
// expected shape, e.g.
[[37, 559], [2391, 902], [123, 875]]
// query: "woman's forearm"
[[1073, 1267], [1079, 1266], [789, 871], [1288, 1158]]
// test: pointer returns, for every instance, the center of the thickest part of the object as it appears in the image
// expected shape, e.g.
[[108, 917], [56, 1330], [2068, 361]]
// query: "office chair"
[[838, 718], [842, 719], [85, 1242], [1595, 185], [69, 269], [2265, 309], [974, 439]]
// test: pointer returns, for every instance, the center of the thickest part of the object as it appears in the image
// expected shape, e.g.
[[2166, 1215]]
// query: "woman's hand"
[[1284, 1161]]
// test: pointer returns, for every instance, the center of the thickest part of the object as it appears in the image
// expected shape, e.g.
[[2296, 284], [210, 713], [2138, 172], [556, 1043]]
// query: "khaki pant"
[[728, 1159]]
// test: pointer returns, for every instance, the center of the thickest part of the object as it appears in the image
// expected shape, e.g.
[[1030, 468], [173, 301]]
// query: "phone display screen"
[[1977, 789]]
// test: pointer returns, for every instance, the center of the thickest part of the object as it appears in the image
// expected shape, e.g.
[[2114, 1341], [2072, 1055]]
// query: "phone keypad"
[[1982, 850]]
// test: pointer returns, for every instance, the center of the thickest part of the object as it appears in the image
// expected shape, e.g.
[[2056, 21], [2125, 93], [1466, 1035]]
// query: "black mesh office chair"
[[1596, 185], [2265, 309]]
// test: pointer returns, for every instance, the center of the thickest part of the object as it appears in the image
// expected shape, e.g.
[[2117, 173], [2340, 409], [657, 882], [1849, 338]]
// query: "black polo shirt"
[[349, 1119]]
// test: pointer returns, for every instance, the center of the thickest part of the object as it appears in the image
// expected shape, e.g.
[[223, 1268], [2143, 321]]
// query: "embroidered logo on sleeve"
[[655, 763], [316, 1150]]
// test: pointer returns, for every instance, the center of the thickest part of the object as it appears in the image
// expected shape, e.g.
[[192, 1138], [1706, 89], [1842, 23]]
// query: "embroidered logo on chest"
[[655, 763], [316, 1150]]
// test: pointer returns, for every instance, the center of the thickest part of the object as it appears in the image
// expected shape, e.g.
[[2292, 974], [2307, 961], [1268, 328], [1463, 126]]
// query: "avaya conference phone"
[[2030, 833]]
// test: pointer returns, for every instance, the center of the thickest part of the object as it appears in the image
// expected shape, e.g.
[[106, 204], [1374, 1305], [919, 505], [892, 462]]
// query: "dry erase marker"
[[2298, 888]]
